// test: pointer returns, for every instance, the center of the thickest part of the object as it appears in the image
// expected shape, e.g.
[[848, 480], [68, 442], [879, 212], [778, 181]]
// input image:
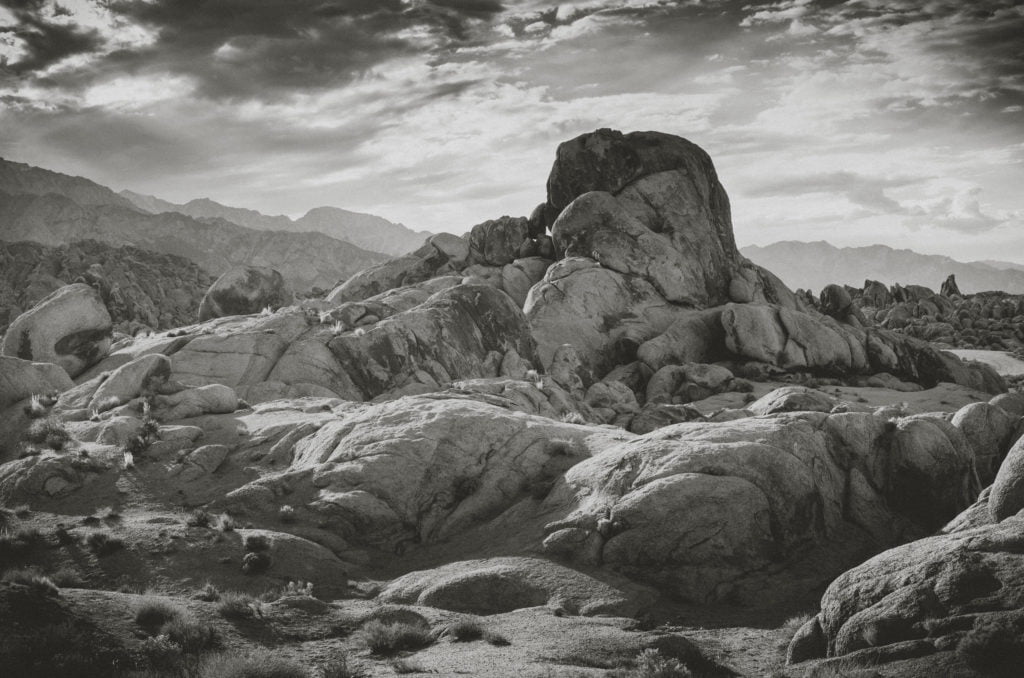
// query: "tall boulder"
[[70, 328], [949, 287], [244, 290]]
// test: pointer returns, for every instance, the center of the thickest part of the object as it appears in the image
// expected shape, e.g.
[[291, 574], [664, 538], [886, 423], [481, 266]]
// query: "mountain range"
[[813, 265], [53, 209], [363, 230]]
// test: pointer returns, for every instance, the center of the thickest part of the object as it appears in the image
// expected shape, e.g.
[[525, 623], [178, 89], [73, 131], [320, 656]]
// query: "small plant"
[[128, 459], [359, 331], [226, 523], [48, 432], [234, 605], [562, 447], [650, 664], [67, 578], [402, 666], [337, 328], [496, 639], [111, 514], [287, 513], [255, 562], [573, 418], [255, 543], [33, 580], [107, 403], [192, 636], [19, 543], [387, 639], [298, 588], [255, 664], [198, 518], [152, 613], [208, 594], [102, 543], [35, 408], [161, 654], [267, 311], [464, 631], [339, 667]]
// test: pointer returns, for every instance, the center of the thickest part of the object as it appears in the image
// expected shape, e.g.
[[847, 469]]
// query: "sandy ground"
[[1003, 363]]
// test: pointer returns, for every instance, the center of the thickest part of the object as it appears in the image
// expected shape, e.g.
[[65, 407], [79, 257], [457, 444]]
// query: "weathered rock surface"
[[499, 585], [21, 379], [70, 328], [244, 290]]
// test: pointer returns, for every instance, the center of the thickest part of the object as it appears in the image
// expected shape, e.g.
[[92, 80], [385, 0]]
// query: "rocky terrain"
[[55, 209], [595, 441], [813, 265], [141, 289]]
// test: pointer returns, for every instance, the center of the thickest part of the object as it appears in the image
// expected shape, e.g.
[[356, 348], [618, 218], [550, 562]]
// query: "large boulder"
[[448, 337], [946, 605], [1007, 497], [442, 254], [497, 242], [21, 379], [499, 585], [705, 509], [244, 290], [70, 328]]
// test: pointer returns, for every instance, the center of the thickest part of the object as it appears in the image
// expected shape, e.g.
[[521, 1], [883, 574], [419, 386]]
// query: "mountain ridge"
[[367, 231], [813, 265]]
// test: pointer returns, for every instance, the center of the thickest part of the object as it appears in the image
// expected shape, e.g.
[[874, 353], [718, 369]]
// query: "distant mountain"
[[55, 209], [364, 230], [18, 178], [813, 265], [1001, 265]]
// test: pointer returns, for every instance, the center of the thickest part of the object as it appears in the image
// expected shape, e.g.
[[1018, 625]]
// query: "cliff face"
[[137, 286]]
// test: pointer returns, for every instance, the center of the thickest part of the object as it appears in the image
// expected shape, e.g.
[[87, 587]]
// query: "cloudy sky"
[[856, 122]]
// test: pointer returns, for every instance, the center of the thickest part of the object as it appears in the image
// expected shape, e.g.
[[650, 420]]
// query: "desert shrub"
[[403, 666], [234, 605], [562, 447], [68, 650], [160, 654], [151, 613], [48, 432], [208, 594], [255, 543], [255, 664], [67, 577], [103, 543], [226, 523], [298, 588], [34, 580], [35, 409], [573, 418], [496, 639], [192, 636], [385, 639], [287, 513], [255, 562], [994, 646], [464, 630], [19, 543], [340, 667], [789, 629], [198, 518], [650, 664]]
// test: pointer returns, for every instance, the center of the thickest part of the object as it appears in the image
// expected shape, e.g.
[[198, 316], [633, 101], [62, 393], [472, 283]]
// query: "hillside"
[[363, 230], [55, 209], [816, 264], [138, 286]]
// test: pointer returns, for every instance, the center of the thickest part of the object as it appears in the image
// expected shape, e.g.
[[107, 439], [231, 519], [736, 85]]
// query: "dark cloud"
[[44, 42], [238, 49]]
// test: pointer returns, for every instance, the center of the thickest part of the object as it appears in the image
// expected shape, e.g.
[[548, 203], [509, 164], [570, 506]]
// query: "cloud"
[[867, 192]]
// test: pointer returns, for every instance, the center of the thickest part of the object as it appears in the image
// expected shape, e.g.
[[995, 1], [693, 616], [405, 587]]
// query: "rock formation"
[[245, 290]]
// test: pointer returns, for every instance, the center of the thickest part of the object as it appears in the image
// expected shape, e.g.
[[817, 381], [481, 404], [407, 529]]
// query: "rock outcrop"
[[70, 328], [245, 290]]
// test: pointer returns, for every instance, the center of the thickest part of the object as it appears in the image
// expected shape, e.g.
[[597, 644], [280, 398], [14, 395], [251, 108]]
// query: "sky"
[[898, 122]]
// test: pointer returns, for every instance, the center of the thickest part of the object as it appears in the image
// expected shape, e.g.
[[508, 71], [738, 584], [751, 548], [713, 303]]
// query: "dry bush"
[[386, 639]]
